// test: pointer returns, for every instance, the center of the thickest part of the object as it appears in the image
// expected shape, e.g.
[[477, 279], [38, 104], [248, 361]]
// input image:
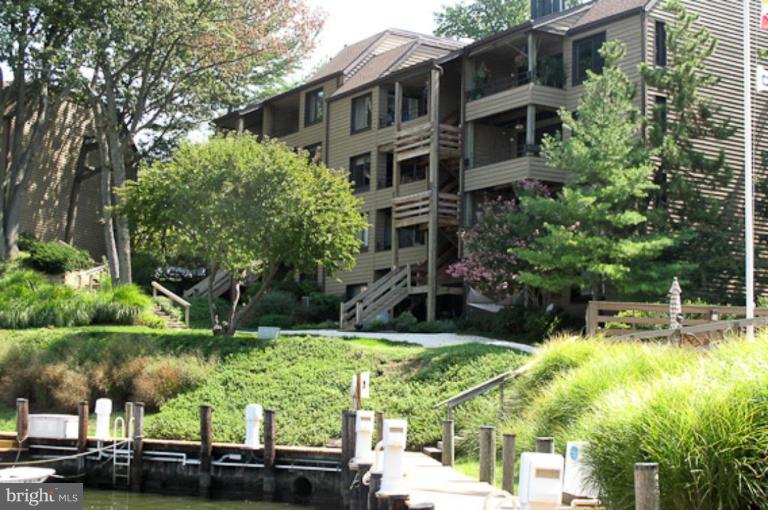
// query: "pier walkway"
[[446, 488]]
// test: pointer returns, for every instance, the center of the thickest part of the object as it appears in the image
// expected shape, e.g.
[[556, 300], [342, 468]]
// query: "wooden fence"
[[612, 318]]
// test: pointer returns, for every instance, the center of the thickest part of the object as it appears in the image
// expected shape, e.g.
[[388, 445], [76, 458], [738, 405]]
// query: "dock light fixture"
[[393, 476], [254, 416], [103, 411], [363, 435]]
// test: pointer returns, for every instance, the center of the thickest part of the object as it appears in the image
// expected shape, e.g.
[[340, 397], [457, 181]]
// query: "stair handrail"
[[356, 305], [347, 305], [156, 287], [482, 388]]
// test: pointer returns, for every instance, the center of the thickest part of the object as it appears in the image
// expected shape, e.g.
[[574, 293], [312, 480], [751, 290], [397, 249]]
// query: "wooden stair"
[[222, 283], [171, 322], [385, 293]]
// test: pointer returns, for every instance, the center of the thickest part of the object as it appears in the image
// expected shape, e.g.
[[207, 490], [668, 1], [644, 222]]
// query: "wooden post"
[[448, 450], [373, 488], [647, 495], [347, 452], [487, 454], [82, 434], [138, 447], [206, 450], [508, 463], [434, 167], [592, 318], [186, 316], [128, 419], [359, 500], [22, 421], [545, 445], [270, 454], [358, 313], [379, 427]]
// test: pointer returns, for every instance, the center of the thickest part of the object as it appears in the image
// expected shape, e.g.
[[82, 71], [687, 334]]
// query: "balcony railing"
[[548, 73], [416, 141], [415, 209]]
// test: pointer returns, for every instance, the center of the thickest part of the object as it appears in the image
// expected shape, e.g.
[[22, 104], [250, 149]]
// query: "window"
[[386, 170], [586, 57], [361, 113], [410, 236], [545, 7], [360, 172], [363, 235], [415, 99], [388, 115], [353, 290], [661, 44], [313, 107], [413, 170]]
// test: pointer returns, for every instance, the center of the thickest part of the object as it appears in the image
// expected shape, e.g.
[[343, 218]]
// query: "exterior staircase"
[[385, 293], [222, 283]]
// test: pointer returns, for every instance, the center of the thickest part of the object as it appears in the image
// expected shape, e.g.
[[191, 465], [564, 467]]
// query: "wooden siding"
[[369, 262], [723, 18], [628, 30], [315, 133], [517, 97], [507, 172]]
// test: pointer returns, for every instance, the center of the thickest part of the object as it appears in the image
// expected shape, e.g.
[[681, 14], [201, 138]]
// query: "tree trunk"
[[266, 281], [117, 156], [216, 328], [105, 191]]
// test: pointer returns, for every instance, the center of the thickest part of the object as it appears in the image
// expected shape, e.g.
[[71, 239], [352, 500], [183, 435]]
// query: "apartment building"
[[430, 129]]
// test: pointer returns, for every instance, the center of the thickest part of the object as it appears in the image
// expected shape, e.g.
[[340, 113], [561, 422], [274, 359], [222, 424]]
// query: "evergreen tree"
[[684, 205], [594, 233]]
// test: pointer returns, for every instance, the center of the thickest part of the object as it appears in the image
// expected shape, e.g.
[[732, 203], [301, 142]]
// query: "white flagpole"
[[748, 196]]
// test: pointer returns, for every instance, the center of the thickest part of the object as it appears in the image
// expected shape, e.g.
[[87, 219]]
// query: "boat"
[[25, 475]]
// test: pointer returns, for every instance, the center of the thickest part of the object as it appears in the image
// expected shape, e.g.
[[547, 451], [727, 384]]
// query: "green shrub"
[[317, 325], [441, 326], [276, 302], [707, 428], [200, 316], [56, 257], [275, 320], [122, 305], [321, 307]]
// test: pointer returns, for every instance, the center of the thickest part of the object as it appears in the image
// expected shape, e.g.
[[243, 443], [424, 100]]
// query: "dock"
[[443, 486]]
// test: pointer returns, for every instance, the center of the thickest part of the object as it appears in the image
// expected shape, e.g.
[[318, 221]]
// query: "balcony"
[[416, 141], [415, 209], [507, 171]]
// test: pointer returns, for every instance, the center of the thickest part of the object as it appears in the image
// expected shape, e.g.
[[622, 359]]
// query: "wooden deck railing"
[[156, 287], [385, 293], [86, 278], [415, 141], [414, 209], [616, 318]]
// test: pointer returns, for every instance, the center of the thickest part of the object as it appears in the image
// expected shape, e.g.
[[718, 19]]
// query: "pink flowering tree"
[[488, 264]]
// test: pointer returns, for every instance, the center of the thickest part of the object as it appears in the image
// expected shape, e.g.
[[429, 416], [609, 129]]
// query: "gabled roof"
[[602, 10]]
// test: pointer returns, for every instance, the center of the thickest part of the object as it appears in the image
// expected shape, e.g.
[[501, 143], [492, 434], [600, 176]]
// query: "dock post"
[[359, 499], [379, 427], [270, 454], [545, 445], [487, 454], [508, 463], [399, 502], [421, 506], [22, 421], [373, 488], [128, 419], [347, 452], [82, 434], [448, 451], [647, 493], [206, 450], [138, 447]]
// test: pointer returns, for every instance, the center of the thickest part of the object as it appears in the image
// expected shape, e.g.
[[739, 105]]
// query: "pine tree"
[[594, 233], [684, 206]]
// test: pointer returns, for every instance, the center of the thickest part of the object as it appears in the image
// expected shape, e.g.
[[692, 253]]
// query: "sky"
[[349, 21]]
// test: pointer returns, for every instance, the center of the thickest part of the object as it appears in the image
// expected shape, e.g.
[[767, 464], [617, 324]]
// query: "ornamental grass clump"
[[707, 428]]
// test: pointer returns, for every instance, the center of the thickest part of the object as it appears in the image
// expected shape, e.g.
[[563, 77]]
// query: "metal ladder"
[[121, 457]]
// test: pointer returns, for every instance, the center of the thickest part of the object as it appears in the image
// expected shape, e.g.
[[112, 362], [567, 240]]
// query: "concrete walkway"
[[423, 339]]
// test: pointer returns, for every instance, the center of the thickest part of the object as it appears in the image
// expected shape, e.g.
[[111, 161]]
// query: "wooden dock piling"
[[270, 454], [508, 463], [206, 450], [545, 445], [487, 454], [22, 421], [359, 500], [448, 448], [137, 463], [347, 452], [82, 433], [395, 502], [647, 493], [129, 419], [373, 488], [379, 427]]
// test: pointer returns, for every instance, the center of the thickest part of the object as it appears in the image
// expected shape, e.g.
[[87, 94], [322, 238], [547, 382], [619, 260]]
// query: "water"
[[116, 500]]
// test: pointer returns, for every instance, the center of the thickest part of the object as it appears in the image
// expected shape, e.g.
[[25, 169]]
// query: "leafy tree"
[[685, 175], [488, 265], [481, 18], [593, 233], [36, 47], [246, 208], [157, 69]]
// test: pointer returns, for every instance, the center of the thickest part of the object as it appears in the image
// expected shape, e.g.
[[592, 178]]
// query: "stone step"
[[435, 453]]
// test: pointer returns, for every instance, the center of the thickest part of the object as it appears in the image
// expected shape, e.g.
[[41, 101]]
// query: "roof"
[[602, 10], [346, 57]]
